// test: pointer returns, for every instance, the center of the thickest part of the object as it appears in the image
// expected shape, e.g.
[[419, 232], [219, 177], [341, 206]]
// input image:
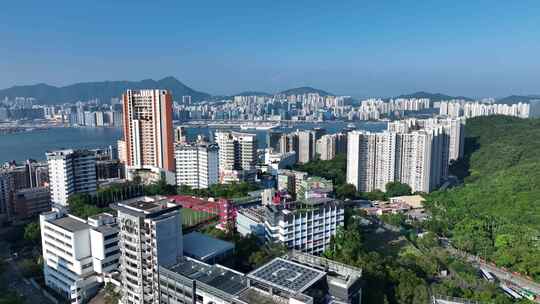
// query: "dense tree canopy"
[[397, 189], [496, 212]]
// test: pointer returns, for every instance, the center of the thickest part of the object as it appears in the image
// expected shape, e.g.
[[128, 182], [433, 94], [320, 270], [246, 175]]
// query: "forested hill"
[[496, 212]]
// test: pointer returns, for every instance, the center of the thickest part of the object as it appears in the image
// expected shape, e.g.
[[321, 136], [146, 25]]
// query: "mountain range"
[[512, 99], [105, 90], [433, 96]]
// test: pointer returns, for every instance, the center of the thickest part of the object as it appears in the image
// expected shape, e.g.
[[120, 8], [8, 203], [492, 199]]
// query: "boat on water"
[[351, 125], [259, 126]]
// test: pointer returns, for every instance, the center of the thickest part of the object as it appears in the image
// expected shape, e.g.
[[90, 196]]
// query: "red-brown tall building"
[[148, 133]]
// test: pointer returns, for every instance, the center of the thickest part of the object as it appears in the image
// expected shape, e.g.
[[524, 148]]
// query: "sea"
[[33, 144]]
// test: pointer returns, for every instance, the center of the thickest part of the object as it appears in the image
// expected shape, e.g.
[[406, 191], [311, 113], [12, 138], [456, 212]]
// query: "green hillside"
[[496, 212]]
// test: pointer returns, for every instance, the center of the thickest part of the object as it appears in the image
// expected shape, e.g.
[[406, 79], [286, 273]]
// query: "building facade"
[[197, 165], [304, 225], [150, 237], [74, 257], [70, 172], [30, 202], [417, 156], [237, 156], [148, 129]]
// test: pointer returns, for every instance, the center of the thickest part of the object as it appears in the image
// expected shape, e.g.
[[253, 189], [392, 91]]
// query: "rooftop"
[[70, 224], [255, 213], [287, 275], [146, 205], [255, 296], [215, 276], [204, 247]]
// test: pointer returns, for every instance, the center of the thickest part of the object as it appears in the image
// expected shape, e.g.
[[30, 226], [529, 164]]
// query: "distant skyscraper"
[[329, 145], [180, 135], [273, 141], [70, 172], [534, 108], [5, 192], [306, 149], [186, 99], [148, 130]]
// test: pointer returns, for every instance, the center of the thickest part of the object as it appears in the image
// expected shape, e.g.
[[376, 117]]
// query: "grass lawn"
[[192, 217]]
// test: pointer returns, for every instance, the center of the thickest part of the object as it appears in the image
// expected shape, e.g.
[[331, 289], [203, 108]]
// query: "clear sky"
[[360, 48]]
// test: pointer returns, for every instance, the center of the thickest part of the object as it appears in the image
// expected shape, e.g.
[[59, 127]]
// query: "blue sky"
[[360, 48]]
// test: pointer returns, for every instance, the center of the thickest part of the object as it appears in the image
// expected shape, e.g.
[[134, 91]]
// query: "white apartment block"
[[150, 237], [237, 156], [197, 165], [70, 172], [454, 128], [306, 226], [306, 150], [469, 109], [77, 254], [361, 153], [418, 158], [326, 147]]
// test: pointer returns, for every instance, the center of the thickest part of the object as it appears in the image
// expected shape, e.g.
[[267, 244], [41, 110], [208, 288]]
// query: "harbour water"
[[34, 144]]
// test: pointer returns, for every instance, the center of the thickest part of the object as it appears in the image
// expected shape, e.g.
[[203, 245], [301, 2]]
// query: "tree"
[[32, 233], [397, 189], [81, 205], [112, 296], [159, 188], [346, 191]]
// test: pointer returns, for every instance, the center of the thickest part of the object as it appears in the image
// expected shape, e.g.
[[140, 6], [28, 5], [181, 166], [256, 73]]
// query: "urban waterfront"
[[34, 144]]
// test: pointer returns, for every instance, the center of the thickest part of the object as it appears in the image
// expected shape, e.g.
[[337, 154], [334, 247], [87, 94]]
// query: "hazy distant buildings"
[[148, 130], [70, 172], [469, 109]]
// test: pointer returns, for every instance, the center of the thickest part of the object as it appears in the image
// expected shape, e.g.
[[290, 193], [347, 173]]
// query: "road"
[[501, 274]]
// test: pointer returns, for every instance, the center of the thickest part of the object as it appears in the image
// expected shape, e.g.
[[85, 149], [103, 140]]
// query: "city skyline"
[[361, 49]]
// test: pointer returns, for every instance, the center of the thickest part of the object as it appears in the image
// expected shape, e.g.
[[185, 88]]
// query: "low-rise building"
[[275, 160], [304, 225], [30, 202], [251, 221], [206, 248], [77, 254], [295, 278]]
